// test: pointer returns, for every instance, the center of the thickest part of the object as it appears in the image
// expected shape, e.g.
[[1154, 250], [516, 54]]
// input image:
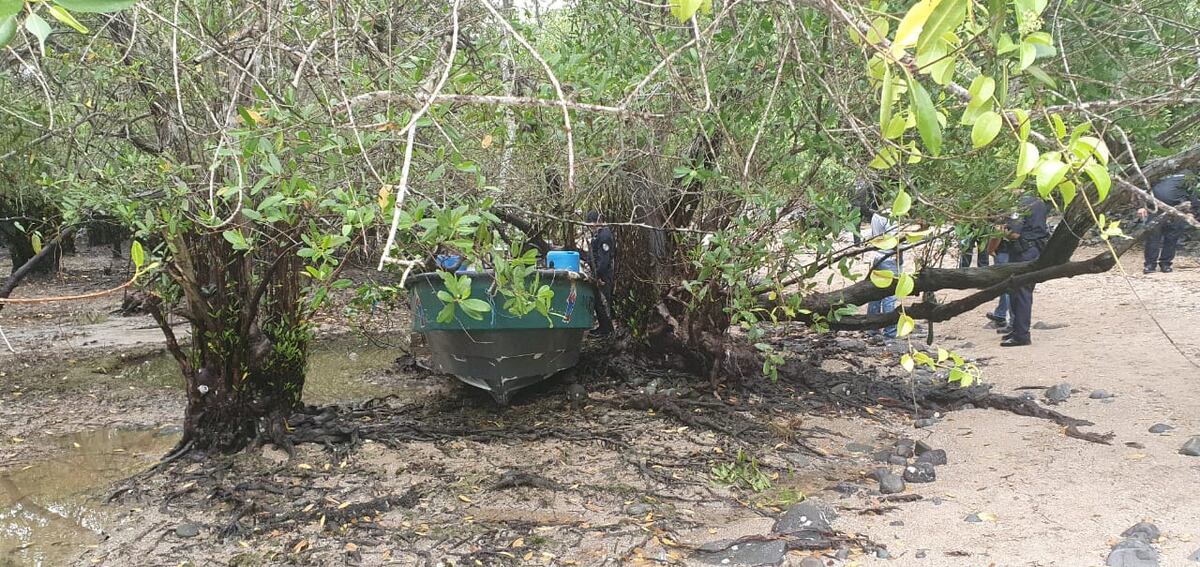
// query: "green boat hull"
[[504, 351]]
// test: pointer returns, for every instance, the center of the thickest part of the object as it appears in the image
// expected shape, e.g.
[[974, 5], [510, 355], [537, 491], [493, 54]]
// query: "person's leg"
[[1173, 230], [602, 306], [887, 305], [1001, 311], [1021, 300], [1153, 246], [982, 254]]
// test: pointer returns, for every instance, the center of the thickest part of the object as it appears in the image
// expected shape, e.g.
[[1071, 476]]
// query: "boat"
[[503, 351]]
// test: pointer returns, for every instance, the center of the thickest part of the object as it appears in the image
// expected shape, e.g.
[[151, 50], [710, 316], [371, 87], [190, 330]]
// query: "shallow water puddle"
[[340, 370], [52, 509]]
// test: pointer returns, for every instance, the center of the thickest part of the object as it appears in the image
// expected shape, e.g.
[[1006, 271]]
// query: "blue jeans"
[[887, 304], [1002, 307]]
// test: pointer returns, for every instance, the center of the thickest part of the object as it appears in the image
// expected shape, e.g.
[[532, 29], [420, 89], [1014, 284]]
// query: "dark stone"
[[859, 448], [852, 345], [1144, 531], [187, 530], [715, 546], [934, 457], [920, 472], [811, 561], [882, 456], [807, 515], [842, 554], [1099, 395], [896, 523], [1132, 553], [1160, 428], [897, 460], [1058, 393], [577, 395], [889, 483], [1195, 556], [905, 448], [748, 554], [921, 448], [920, 554], [1043, 326], [923, 423], [973, 518], [1028, 396], [1191, 448], [882, 553]]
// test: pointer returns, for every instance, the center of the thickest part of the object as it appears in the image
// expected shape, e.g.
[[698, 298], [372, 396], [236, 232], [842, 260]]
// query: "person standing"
[[1164, 236], [886, 260], [602, 253], [1027, 234]]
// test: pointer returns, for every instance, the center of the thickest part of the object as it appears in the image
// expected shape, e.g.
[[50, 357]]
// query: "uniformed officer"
[[1027, 234], [602, 253], [1174, 190]]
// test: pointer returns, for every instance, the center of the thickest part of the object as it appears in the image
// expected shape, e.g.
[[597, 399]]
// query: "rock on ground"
[[1144, 531], [920, 472], [1100, 394], [807, 515], [747, 554], [889, 482], [1160, 428], [1191, 448], [1132, 552], [187, 530], [1058, 393], [934, 457]]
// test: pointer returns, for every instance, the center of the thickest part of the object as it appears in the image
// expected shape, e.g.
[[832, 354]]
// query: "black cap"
[[592, 216]]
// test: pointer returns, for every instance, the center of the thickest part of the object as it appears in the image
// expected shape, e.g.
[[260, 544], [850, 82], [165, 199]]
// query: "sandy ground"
[[1061, 501], [1056, 501]]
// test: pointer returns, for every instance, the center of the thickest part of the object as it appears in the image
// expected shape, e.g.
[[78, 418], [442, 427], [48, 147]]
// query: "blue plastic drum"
[[560, 260]]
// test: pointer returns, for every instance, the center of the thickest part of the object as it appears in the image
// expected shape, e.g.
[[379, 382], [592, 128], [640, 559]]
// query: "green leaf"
[[982, 89], [1097, 147], [1028, 55], [946, 17], [10, 8], [1023, 124], [235, 238], [1100, 178], [477, 305], [1060, 127], [882, 278], [887, 97], [885, 242], [886, 159], [927, 117], [137, 255], [35, 241], [445, 296], [683, 10], [1067, 190], [904, 286], [1027, 158], [65, 17], [911, 25], [96, 6], [895, 127], [446, 315], [1038, 73], [8, 28], [905, 325], [987, 126], [1049, 174], [907, 363], [958, 375], [942, 355], [39, 28], [902, 204]]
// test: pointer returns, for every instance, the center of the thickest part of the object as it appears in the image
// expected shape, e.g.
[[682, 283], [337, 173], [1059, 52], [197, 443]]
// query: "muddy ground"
[[648, 468]]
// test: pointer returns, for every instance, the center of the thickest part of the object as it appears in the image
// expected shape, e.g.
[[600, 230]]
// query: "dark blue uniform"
[[1030, 224], [1173, 190], [602, 254]]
